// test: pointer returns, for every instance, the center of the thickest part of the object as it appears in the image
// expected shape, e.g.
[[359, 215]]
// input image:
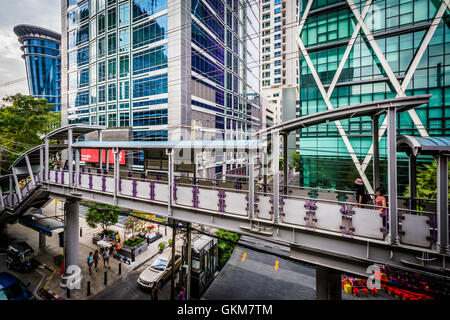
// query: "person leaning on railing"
[[380, 200]]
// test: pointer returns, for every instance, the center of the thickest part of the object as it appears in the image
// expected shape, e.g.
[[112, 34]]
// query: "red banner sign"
[[92, 155]]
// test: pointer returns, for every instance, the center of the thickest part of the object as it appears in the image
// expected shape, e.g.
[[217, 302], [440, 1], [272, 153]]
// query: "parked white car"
[[159, 270]]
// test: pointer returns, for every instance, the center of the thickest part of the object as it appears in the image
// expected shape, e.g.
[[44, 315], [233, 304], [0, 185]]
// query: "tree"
[[104, 215], [295, 162], [426, 182], [23, 121], [226, 248]]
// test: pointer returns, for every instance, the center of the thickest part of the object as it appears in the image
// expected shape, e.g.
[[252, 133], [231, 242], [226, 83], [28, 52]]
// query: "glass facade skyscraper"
[[42, 60], [169, 69], [410, 38]]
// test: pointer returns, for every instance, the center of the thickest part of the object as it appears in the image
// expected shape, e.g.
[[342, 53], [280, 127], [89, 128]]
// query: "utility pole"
[[189, 251]]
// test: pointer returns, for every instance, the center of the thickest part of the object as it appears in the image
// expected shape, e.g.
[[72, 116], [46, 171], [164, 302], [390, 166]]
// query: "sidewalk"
[[45, 256]]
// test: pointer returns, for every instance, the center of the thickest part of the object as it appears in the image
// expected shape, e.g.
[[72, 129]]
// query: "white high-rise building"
[[279, 53]]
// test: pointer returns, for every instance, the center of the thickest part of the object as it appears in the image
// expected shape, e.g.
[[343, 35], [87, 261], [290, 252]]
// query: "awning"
[[78, 130], [424, 145], [41, 223], [229, 145]]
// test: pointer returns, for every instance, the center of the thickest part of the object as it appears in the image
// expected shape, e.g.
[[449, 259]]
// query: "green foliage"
[[170, 242], [23, 120], [133, 242], [426, 182], [281, 163], [226, 248], [104, 216], [295, 162], [161, 245]]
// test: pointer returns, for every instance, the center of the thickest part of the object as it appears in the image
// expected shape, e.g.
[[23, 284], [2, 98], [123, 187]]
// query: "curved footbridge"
[[323, 227]]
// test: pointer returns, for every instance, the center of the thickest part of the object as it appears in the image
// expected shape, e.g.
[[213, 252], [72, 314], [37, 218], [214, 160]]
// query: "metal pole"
[[107, 160], [16, 182], [412, 182], [2, 203], [46, 157], [189, 262], [11, 190], [172, 270], [376, 153], [30, 171], [392, 176], [276, 175], [170, 181], [442, 204], [116, 173], [41, 164], [70, 156], [100, 150], [251, 184], [77, 166], [285, 163]]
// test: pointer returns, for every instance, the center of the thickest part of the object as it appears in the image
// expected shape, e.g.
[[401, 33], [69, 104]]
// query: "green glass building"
[[411, 38]]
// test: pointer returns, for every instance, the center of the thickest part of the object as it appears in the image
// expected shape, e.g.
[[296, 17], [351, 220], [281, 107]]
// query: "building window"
[[112, 92], [149, 117], [112, 68], [150, 32], [146, 8], [124, 15], [124, 90], [124, 120], [112, 18], [150, 60], [124, 68], [124, 40], [150, 86]]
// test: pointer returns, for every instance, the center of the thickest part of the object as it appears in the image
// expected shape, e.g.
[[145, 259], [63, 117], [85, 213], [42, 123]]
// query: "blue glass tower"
[[42, 60]]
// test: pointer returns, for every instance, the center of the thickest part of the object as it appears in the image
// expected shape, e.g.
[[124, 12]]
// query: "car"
[[11, 288], [159, 270], [20, 257]]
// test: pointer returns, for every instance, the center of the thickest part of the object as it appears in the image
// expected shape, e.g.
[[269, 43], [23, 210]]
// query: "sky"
[[42, 13]]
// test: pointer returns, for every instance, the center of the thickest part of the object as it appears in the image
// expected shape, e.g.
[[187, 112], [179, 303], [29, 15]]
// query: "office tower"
[[279, 53], [411, 38], [169, 69], [40, 48]]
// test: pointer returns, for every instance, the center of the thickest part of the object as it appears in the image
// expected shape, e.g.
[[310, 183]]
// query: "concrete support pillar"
[[442, 204], [70, 156], [285, 163], [71, 233], [46, 157], [276, 175], [265, 167], [30, 171], [328, 284], [392, 176], [412, 182], [42, 240], [376, 153]]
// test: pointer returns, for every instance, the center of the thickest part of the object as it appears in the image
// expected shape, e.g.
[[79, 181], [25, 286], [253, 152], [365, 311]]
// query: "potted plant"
[[161, 246], [170, 242]]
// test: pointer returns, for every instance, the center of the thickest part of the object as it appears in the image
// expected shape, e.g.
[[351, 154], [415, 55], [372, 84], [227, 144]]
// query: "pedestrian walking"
[[182, 294], [96, 259], [106, 258], [66, 165], [155, 291], [90, 261]]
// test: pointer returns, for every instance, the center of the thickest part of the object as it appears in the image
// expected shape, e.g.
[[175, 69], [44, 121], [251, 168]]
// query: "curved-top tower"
[[42, 61]]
